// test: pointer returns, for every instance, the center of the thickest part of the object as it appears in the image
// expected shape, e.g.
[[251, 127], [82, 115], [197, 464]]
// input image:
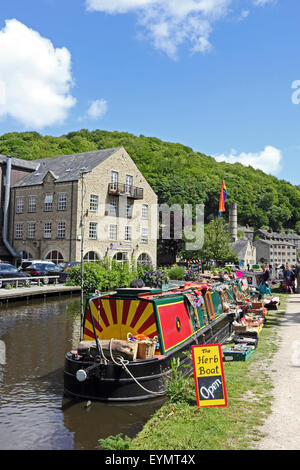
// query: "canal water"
[[34, 414]]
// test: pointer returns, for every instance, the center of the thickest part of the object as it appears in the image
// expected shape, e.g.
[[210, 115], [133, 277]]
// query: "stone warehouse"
[[100, 194]]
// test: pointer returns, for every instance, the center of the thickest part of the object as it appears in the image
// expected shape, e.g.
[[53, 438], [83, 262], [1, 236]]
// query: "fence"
[[27, 281]]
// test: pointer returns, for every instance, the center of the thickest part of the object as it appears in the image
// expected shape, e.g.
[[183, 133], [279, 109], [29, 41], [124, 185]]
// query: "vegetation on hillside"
[[178, 174]]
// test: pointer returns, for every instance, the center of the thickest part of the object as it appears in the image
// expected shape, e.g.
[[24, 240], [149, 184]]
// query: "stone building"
[[119, 208], [12, 170], [276, 252], [277, 237], [245, 251]]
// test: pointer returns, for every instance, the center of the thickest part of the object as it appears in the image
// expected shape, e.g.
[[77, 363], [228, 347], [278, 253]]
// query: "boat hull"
[[143, 379]]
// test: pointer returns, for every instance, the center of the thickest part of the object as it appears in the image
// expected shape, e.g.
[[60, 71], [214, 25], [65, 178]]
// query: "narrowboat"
[[130, 337]]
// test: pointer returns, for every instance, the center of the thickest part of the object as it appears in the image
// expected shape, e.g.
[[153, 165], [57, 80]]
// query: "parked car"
[[9, 271], [47, 270], [68, 265], [28, 262]]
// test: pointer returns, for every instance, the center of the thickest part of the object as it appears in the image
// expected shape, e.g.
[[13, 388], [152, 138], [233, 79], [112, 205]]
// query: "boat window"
[[209, 306]]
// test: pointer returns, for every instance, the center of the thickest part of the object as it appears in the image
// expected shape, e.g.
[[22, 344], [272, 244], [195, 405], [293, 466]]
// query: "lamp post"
[[83, 171]]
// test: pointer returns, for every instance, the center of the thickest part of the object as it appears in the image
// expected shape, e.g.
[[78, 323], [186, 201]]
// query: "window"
[[48, 202], [144, 235], [19, 231], [144, 260], [62, 202], [47, 229], [145, 211], [93, 203], [32, 204], [93, 230], [128, 184], [91, 256], [113, 207], [128, 233], [112, 232], [19, 205], [61, 230], [120, 257], [31, 230], [26, 255], [55, 256], [114, 176], [129, 209]]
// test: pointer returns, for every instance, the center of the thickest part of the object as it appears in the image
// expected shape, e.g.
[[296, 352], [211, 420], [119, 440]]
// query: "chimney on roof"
[[233, 221]]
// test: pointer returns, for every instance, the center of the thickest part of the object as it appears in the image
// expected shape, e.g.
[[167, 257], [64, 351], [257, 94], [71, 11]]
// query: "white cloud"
[[97, 109], [170, 23], [35, 77], [268, 160], [261, 3]]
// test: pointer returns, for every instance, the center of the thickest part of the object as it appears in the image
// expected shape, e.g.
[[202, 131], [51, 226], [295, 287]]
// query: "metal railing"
[[120, 189], [28, 281]]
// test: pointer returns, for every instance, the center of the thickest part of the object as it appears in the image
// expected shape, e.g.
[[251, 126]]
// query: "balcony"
[[119, 189]]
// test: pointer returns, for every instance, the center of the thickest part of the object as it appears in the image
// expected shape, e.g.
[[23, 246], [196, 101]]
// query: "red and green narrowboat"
[[173, 321]]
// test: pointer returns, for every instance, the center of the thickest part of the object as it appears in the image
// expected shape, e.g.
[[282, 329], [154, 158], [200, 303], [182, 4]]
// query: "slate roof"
[[66, 167], [275, 242], [240, 247], [18, 162], [285, 236]]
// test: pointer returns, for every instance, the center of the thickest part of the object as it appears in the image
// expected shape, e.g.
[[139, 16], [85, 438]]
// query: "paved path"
[[282, 427], [25, 292]]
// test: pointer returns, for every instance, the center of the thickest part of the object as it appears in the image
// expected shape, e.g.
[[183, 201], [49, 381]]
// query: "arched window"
[[120, 257], [55, 256], [91, 256], [26, 255], [144, 259]]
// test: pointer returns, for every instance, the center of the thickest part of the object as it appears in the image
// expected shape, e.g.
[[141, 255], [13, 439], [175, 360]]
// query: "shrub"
[[192, 276], [156, 278], [177, 273], [102, 276]]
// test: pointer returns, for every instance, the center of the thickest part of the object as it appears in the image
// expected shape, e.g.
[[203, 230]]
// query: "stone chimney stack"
[[233, 225]]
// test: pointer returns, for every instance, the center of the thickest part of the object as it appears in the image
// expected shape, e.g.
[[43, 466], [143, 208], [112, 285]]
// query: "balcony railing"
[[119, 189]]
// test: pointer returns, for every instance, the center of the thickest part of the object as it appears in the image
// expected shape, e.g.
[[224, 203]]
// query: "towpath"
[[282, 428]]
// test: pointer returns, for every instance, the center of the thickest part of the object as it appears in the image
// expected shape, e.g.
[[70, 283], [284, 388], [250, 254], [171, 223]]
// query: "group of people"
[[291, 277]]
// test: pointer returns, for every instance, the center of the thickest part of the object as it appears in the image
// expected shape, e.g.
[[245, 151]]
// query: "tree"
[[177, 174], [216, 245]]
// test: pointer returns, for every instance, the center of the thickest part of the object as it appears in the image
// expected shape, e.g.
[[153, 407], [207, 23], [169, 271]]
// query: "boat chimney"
[[233, 221]]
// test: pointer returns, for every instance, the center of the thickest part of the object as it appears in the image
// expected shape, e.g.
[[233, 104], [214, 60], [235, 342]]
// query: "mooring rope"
[[123, 363]]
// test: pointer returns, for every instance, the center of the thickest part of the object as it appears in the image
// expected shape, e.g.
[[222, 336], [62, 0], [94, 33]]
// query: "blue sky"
[[216, 75]]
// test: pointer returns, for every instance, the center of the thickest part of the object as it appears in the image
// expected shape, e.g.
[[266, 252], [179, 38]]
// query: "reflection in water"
[[33, 412]]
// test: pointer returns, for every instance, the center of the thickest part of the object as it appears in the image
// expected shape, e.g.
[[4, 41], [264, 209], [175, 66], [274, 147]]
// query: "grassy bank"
[[180, 425]]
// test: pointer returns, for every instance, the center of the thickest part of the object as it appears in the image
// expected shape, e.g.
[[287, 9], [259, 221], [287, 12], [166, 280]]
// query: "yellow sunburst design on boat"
[[114, 318]]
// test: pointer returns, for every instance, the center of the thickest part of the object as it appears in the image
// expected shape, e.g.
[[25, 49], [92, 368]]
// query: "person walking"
[[289, 279], [265, 278]]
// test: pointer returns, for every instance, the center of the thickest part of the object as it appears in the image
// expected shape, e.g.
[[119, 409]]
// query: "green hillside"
[[178, 174]]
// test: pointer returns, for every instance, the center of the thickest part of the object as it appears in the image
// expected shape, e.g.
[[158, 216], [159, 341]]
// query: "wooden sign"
[[209, 375]]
